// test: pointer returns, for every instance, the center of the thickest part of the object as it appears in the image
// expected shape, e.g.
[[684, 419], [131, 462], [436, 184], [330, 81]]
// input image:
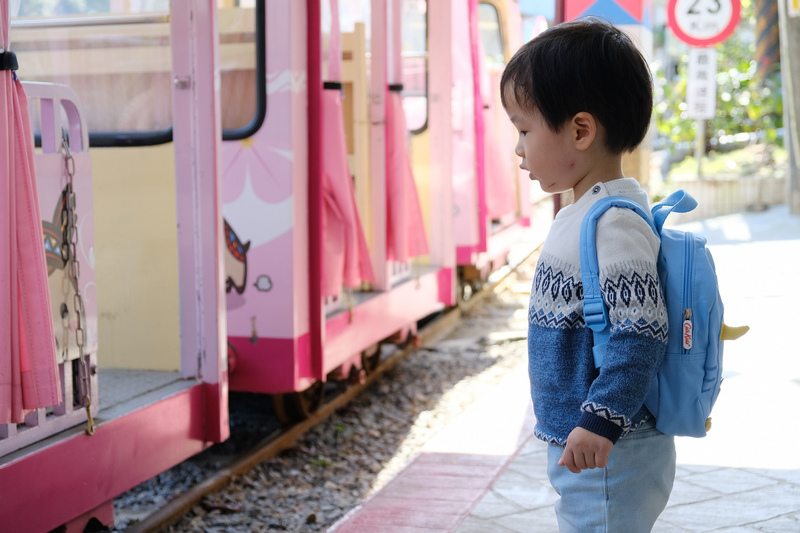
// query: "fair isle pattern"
[[566, 388], [548, 438], [556, 296], [634, 299], [604, 412], [640, 423]]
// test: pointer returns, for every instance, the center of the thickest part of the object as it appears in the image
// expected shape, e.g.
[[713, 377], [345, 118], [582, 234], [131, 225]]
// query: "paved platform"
[[486, 473]]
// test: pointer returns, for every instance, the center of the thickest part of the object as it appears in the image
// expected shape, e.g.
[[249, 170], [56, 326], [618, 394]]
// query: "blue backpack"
[[687, 384]]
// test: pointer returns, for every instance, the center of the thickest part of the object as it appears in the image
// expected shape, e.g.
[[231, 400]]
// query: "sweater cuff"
[[600, 426]]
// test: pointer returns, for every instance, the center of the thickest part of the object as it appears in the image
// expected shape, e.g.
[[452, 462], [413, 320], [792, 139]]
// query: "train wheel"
[[370, 358], [279, 407], [464, 291], [357, 375], [301, 405], [476, 285]]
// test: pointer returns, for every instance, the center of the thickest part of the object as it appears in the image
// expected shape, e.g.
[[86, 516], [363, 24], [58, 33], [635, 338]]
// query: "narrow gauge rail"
[[283, 439]]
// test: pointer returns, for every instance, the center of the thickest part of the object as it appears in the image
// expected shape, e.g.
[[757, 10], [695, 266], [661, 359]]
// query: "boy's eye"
[[523, 132]]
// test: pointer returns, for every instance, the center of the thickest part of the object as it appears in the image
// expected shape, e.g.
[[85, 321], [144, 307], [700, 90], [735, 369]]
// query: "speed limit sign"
[[703, 22]]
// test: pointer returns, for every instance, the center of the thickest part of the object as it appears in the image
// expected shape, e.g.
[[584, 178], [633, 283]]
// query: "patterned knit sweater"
[[566, 388]]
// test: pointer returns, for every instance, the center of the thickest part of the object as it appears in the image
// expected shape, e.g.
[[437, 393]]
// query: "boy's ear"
[[584, 130]]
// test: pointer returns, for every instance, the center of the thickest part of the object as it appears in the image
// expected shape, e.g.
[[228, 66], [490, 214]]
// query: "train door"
[[426, 76], [497, 22], [426, 110], [142, 79], [491, 200], [120, 65], [265, 206], [467, 159]]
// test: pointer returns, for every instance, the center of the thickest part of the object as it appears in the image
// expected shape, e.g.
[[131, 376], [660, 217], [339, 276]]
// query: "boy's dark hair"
[[584, 65]]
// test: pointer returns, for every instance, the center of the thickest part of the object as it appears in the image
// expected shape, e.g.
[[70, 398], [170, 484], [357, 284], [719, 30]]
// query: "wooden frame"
[[356, 120]]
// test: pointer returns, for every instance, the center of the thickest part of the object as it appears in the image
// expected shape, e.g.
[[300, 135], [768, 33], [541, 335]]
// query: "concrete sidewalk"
[[745, 475], [486, 473]]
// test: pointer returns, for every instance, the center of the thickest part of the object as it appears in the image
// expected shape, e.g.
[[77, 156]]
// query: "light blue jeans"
[[626, 496]]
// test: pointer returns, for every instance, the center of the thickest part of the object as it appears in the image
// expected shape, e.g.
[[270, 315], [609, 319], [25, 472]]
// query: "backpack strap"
[[595, 312], [679, 201]]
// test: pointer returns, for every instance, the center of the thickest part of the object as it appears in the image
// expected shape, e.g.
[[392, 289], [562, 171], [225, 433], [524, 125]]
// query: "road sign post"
[[701, 24], [701, 87], [701, 96]]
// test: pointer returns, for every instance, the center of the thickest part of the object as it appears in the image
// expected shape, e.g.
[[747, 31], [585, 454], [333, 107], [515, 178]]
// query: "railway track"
[[286, 438]]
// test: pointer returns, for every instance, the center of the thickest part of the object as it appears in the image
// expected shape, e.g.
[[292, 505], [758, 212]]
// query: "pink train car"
[[379, 201], [265, 193]]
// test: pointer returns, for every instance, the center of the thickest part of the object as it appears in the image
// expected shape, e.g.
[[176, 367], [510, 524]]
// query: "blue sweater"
[[566, 388]]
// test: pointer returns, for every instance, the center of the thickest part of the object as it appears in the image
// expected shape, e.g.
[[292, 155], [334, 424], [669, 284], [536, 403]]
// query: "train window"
[[415, 64], [489, 23], [352, 12], [242, 66], [117, 58]]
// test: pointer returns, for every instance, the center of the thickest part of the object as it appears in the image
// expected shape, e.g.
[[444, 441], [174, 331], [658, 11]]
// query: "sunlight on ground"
[[755, 417], [495, 437], [734, 228]]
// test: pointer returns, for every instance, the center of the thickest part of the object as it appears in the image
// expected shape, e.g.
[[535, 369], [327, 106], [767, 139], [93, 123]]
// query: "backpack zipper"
[[687, 294]]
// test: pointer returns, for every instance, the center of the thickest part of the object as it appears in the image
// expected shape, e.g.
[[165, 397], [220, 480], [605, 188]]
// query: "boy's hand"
[[585, 450]]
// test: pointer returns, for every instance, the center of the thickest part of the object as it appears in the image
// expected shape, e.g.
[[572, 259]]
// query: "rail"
[[101, 20]]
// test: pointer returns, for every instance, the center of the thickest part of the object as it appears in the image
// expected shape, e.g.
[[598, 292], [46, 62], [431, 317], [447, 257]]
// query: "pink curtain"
[[501, 192], [28, 367], [500, 189], [346, 259], [405, 227]]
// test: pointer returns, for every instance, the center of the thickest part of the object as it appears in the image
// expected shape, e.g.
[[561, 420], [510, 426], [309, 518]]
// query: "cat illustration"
[[235, 260]]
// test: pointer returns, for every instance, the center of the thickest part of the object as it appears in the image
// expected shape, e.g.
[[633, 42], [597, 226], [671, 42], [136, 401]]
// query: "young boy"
[[580, 95]]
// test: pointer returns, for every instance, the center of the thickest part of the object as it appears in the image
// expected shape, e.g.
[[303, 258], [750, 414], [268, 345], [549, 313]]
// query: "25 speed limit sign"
[[703, 22]]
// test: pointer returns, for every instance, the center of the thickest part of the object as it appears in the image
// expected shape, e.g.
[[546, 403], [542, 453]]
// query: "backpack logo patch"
[[687, 329]]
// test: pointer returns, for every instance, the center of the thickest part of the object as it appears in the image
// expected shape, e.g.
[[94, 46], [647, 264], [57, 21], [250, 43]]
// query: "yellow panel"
[[349, 122], [136, 257], [421, 166]]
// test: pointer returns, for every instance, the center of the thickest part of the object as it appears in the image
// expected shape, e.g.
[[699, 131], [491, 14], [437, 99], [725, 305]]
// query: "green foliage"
[[670, 111], [745, 103], [751, 161]]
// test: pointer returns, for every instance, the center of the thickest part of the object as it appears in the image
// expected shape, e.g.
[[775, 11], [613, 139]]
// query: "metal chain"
[[74, 269]]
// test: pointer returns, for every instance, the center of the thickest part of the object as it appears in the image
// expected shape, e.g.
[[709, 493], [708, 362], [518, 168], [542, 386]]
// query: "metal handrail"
[[102, 20]]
